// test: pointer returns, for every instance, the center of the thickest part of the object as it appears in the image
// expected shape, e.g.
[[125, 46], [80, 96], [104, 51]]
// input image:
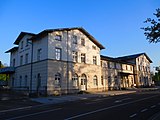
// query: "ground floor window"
[[75, 80], [57, 79], [95, 80]]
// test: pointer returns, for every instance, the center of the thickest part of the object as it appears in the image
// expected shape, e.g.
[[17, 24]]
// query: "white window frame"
[[58, 52], [75, 39], [83, 58], [75, 56]]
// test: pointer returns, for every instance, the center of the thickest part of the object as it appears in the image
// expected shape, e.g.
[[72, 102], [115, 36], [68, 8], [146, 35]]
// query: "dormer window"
[[58, 37]]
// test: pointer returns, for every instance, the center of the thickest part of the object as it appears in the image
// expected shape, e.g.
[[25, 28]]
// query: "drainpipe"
[[67, 65], [30, 90]]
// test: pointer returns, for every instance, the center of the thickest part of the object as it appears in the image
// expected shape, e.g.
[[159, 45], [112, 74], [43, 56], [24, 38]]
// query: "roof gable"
[[45, 32], [21, 35], [134, 56]]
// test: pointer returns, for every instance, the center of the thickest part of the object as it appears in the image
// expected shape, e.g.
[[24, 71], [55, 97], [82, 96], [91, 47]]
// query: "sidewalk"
[[68, 98]]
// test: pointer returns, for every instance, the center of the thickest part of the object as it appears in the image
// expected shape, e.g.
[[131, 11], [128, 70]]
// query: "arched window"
[[75, 80], [95, 80], [57, 79]]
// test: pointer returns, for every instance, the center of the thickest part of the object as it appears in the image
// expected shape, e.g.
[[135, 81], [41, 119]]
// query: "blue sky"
[[114, 23]]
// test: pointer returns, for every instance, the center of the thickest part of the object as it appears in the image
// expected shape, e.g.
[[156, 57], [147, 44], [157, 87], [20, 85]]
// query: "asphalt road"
[[137, 106]]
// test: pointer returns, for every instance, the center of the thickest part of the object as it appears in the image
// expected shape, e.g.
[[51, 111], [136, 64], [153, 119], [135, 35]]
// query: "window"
[[75, 80], [102, 83], [108, 64], [75, 56], [57, 79], [22, 45], [94, 60], [93, 47], [26, 42], [95, 81], [83, 57], [20, 81], [25, 82], [26, 58], [14, 62], [109, 81], [58, 54], [83, 79], [82, 41], [58, 37], [74, 39], [21, 60], [38, 80], [39, 54], [116, 80]]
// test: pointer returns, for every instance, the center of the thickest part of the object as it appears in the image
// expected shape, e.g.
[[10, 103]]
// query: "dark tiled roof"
[[12, 49], [21, 35], [115, 60], [45, 32], [134, 56]]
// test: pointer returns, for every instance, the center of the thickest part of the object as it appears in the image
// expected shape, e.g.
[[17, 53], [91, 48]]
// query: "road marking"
[[103, 109], [9, 110], [131, 116], [117, 101], [28, 115], [95, 101], [153, 106], [144, 110]]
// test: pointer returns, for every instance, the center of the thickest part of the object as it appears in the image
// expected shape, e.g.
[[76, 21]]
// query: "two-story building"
[[68, 60], [57, 60], [119, 74], [142, 68]]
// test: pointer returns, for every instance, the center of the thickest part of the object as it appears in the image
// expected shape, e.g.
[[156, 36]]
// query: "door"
[[83, 82]]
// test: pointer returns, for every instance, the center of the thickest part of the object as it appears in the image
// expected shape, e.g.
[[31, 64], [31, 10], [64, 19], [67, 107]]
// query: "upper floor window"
[[94, 60], [75, 56], [75, 38], [22, 45], [93, 47], [26, 42], [39, 54], [26, 58], [21, 60], [83, 58], [58, 53], [82, 41], [58, 37]]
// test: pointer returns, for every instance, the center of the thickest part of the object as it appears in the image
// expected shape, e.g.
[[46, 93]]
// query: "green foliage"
[[156, 77], [3, 76], [152, 32]]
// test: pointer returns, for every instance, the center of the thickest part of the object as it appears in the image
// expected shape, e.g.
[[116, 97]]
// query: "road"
[[137, 106]]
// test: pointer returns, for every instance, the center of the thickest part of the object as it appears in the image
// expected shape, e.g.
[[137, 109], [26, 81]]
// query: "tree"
[[152, 32]]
